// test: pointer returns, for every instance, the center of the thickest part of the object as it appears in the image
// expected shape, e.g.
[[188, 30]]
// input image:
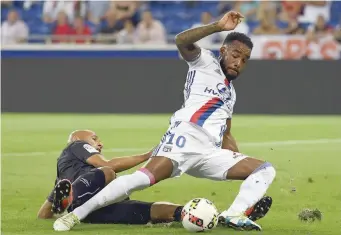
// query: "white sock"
[[115, 191], [252, 190]]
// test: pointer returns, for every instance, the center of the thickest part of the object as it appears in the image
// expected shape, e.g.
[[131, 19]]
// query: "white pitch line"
[[247, 144]]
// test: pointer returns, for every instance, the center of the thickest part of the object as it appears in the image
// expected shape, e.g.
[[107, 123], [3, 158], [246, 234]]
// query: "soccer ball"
[[199, 215]]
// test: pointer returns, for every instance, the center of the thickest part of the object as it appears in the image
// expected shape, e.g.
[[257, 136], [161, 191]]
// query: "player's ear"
[[74, 138], [222, 50]]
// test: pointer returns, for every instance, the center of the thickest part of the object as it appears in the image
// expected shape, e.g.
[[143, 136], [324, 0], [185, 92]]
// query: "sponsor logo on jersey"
[[210, 91], [89, 148]]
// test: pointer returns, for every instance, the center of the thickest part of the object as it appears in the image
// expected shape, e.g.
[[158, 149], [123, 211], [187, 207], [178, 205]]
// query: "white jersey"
[[208, 97]]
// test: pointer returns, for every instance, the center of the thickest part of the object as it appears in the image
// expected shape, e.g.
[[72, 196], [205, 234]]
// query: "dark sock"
[[177, 214]]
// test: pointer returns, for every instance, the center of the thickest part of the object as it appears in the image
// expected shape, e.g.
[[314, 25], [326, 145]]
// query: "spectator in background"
[[312, 9], [124, 10], [206, 18], [319, 29], [72, 8], [111, 27], [294, 28], [13, 30], [97, 10], [224, 7], [247, 8], [29, 3], [81, 33], [62, 31], [267, 8], [150, 31], [128, 34], [267, 25], [290, 10]]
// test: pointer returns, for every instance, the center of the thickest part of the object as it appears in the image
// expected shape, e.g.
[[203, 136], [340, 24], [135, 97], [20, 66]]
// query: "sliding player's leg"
[[69, 196], [257, 175], [135, 212], [156, 170]]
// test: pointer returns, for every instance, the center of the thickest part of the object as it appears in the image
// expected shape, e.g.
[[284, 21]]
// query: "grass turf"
[[308, 172]]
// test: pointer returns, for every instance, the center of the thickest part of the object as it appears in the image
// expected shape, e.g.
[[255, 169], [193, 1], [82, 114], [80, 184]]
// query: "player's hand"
[[230, 21]]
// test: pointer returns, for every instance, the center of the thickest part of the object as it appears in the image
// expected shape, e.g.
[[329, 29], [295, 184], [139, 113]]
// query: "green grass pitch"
[[300, 147]]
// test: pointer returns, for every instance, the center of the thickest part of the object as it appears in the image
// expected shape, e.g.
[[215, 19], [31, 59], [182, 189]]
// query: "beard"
[[227, 75]]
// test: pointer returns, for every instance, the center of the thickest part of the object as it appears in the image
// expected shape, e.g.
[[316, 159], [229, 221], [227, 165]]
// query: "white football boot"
[[66, 222], [238, 222]]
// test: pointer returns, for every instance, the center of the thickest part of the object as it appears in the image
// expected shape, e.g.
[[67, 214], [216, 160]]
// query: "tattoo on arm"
[[185, 41]]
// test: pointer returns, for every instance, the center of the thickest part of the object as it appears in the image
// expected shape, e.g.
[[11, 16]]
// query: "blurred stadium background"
[[118, 58]]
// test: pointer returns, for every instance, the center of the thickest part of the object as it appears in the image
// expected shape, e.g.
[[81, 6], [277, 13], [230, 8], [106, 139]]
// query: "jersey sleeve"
[[205, 58], [83, 150]]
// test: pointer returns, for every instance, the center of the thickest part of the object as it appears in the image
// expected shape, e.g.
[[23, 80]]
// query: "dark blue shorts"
[[125, 212]]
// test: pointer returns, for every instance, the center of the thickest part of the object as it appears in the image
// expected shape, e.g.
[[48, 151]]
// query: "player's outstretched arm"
[[229, 141], [118, 164], [124, 163], [185, 41]]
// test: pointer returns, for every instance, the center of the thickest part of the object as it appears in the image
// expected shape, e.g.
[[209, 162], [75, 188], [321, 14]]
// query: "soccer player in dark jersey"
[[82, 171]]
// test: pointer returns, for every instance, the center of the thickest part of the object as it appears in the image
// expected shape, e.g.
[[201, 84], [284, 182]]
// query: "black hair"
[[236, 36]]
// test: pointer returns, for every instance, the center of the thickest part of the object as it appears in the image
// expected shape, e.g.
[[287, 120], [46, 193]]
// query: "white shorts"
[[193, 151]]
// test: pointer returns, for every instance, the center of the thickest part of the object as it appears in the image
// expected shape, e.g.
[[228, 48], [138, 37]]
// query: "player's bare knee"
[[109, 174], [269, 170]]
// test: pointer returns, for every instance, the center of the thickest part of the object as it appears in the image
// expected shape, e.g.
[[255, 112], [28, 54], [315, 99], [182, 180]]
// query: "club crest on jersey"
[[222, 89], [224, 92]]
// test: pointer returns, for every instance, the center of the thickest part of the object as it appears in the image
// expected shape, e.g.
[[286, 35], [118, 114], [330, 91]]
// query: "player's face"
[[233, 58], [94, 141]]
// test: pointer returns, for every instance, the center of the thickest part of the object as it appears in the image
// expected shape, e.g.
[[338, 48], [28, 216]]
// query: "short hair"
[[236, 36]]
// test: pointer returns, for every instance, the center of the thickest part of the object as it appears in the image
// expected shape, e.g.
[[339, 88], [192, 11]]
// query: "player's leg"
[[226, 165], [135, 212], [258, 176], [70, 196], [169, 159], [157, 169]]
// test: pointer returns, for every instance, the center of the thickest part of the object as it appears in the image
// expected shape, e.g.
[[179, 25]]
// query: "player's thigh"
[[178, 151], [125, 212], [217, 165], [244, 168], [86, 186], [109, 174]]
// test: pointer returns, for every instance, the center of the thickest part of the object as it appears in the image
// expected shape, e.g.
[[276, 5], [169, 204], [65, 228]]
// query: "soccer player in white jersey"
[[199, 141]]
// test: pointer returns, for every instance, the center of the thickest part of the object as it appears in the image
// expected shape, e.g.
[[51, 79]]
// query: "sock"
[[177, 214], [252, 190], [116, 191]]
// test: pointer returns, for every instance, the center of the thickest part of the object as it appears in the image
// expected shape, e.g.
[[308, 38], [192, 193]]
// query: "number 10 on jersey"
[[180, 140]]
